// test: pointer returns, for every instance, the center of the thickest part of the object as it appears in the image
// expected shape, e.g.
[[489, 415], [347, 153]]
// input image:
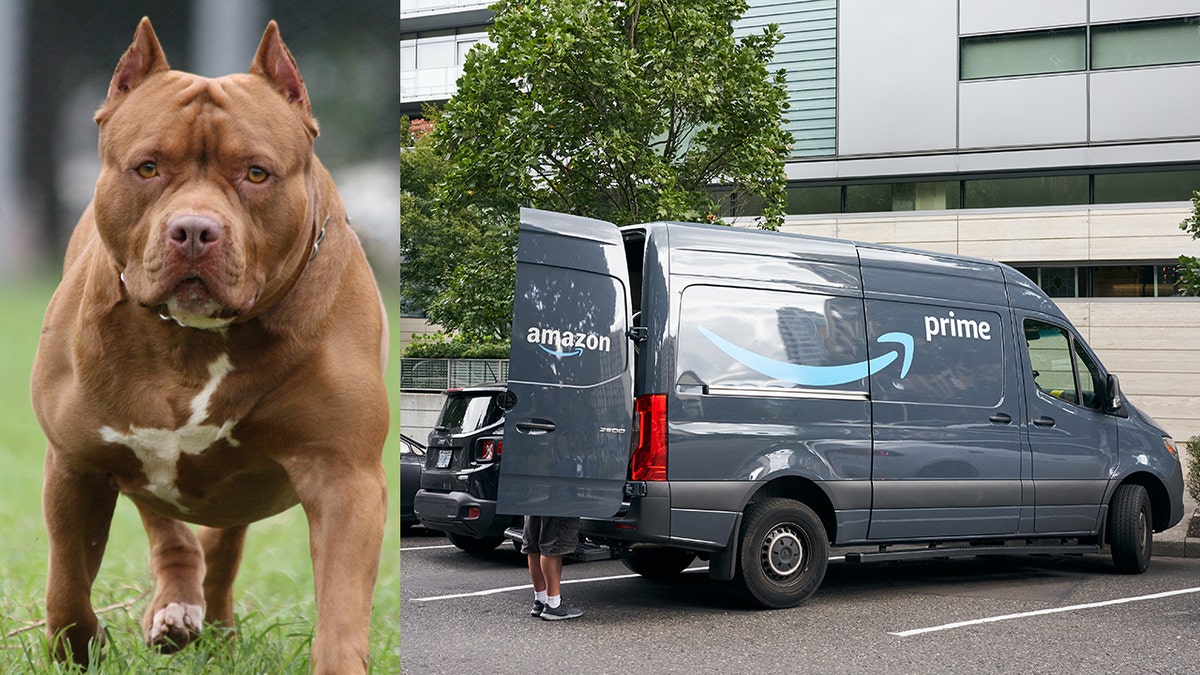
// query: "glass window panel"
[[1059, 282], [1167, 281], [435, 54], [408, 55], [1123, 281], [464, 46], [1146, 43], [1147, 186], [1054, 51], [862, 198], [814, 199], [1032, 191], [1089, 378], [935, 196], [1050, 359]]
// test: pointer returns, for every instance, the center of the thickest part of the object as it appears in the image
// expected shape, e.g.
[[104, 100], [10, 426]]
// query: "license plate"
[[444, 458]]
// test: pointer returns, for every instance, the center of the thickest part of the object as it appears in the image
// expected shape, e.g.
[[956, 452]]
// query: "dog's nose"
[[193, 235]]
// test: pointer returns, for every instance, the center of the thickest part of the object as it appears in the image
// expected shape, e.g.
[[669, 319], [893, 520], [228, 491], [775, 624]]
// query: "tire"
[[1131, 529], [782, 554], [659, 564], [475, 545]]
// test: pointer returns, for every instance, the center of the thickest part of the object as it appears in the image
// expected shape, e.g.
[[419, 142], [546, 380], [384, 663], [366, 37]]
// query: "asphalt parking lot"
[[469, 614]]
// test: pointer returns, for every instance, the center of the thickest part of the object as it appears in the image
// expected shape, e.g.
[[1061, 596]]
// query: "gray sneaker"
[[538, 608], [563, 611]]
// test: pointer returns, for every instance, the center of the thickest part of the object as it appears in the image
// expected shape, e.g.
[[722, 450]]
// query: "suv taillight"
[[489, 449], [649, 460]]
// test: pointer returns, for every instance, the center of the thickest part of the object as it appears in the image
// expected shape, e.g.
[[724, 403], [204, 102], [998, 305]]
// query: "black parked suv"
[[462, 470]]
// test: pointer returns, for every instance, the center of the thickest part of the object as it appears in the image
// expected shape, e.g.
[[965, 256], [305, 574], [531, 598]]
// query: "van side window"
[[956, 353], [743, 338], [1061, 368], [1089, 378]]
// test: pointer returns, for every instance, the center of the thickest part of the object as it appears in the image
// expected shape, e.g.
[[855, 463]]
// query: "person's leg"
[[532, 551], [537, 574], [551, 573]]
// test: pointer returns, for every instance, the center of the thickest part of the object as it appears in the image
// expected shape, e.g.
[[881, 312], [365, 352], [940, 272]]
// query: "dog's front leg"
[[78, 508], [174, 615], [346, 509], [222, 558]]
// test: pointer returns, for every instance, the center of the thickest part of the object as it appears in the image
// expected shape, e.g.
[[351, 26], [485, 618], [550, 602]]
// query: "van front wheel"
[[1131, 529], [782, 554]]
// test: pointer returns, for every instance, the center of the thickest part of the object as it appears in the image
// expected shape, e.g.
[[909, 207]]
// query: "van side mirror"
[[1114, 402]]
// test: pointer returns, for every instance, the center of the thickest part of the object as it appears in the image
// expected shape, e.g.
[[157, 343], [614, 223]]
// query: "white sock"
[[540, 596], [553, 601]]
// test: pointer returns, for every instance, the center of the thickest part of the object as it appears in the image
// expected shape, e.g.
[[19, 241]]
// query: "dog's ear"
[[144, 58], [274, 62]]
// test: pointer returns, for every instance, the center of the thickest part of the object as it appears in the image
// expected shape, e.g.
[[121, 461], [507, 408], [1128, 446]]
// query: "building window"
[[1146, 186], [1106, 281], [431, 62], [806, 199], [1031, 53], [1146, 43], [1066, 50], [1025, 191], [933, 196]]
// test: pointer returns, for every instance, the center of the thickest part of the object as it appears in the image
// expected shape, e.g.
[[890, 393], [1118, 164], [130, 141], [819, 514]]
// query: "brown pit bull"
[[214, 354]]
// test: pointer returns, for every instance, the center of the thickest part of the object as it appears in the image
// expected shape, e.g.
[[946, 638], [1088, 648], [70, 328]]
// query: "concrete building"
[[1059, 137]]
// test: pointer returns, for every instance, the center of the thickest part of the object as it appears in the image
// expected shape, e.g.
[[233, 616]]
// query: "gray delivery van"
[[755, 398]]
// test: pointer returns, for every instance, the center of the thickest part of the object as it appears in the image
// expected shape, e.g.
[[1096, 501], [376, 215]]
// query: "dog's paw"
[[174, 627]]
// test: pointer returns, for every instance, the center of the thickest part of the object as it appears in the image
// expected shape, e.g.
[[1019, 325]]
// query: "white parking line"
[[424, 548], [526, 587], [1055, 610]]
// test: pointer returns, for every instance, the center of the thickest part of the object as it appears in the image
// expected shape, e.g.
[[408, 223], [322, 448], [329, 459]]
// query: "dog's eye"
[[147, 170], [256, 174]]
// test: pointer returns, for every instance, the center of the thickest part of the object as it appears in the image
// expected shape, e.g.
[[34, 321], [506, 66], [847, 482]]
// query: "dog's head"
[[206, 198]]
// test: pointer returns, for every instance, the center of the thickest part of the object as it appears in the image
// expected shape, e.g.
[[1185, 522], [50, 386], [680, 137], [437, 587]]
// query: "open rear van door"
[[567, 429]]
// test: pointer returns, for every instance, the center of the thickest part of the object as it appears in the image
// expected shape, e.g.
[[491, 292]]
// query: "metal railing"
[[442, 374]]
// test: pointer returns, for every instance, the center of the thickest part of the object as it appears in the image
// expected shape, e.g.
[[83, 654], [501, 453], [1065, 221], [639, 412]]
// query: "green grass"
[[274, 592]]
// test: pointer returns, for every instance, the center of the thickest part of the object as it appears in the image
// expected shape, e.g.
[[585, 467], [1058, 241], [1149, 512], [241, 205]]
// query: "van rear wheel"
[[782, 554], [1131, 529]]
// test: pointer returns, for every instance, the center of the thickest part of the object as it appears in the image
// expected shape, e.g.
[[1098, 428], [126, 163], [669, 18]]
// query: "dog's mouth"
[[191, 304]]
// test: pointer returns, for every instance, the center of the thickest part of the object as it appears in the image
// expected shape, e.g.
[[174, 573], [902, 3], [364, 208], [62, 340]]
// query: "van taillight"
[[649, 460], [490, 449]]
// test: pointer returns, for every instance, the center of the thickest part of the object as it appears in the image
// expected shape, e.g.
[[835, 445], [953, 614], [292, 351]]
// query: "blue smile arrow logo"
[[577, 351], [817, 376]]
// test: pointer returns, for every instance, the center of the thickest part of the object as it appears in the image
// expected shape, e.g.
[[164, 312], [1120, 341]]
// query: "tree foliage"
[[1189, 267], [627, 111], [457, 261]]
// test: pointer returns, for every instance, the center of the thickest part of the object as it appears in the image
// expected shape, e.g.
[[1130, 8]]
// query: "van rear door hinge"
[[638, 333]]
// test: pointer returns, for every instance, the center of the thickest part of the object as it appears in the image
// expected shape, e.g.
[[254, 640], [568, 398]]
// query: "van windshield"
[[465, 412]]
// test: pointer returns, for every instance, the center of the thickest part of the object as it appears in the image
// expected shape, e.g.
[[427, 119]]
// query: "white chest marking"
[[159, 449]]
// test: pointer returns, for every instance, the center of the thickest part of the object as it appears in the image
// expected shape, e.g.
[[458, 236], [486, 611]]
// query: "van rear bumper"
[[448, 512], [644, 519], [654, 517]]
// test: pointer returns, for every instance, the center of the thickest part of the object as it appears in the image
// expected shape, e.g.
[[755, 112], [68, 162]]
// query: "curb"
[[1184, 541]]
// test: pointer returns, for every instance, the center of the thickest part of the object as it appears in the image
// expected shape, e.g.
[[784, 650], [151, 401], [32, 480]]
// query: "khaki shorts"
[[547, 535]]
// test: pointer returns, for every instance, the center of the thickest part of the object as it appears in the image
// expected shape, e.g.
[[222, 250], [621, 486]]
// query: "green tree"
[[1189, 267], [457, 261], [628, 111]]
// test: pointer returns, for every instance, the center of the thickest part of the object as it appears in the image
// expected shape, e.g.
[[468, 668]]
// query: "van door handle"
[[1044, 421], [1001, 418], [536, 427]]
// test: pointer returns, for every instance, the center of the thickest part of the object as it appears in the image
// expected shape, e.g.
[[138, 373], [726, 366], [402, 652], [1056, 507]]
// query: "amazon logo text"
[[567, 343]]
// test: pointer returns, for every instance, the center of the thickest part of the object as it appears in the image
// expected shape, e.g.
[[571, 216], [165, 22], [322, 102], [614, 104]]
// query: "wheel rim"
[[783, 552]]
